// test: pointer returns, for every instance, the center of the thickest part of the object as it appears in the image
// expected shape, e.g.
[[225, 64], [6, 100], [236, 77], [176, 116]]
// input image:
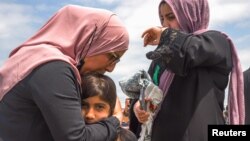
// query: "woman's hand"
[[140, 114], [152, 35]]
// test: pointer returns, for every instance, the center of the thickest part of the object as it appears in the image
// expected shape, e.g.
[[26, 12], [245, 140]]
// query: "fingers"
[[141, 115], [143, 118], [151, 36], [152, 107], [150, 39], [147, 36], [146, 40], [146, 32]]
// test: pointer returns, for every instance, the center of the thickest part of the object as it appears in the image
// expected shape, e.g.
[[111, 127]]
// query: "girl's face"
[[94, 109], [167, 17], [101, 63]]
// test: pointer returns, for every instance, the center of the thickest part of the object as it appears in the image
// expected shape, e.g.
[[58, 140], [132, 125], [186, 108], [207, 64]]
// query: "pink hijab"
[[71, 34], [193, 17]]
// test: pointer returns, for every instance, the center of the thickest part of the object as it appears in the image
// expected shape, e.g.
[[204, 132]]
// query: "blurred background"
[[22, 18]]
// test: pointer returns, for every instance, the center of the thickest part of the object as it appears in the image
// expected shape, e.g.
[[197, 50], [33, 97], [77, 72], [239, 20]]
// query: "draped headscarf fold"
[[70, 34]]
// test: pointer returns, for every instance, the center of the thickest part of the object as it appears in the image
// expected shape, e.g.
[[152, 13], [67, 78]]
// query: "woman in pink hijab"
[[192, 66], [40, 97]]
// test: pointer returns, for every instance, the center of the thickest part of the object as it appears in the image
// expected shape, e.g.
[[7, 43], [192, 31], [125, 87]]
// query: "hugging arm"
[[57, 95]]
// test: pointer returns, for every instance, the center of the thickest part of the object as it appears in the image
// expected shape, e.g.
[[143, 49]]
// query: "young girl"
[[99, 100]]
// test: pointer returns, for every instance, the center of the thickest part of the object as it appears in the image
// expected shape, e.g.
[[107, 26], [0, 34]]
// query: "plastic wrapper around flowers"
[[140, 86]]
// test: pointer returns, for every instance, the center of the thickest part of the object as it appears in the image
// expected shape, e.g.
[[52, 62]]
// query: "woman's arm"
[[181, 52], [56, 93]]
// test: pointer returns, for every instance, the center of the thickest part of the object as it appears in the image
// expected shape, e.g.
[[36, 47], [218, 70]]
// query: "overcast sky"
[[20, 19]]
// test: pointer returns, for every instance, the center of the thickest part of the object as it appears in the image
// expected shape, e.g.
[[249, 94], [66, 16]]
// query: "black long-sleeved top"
[[247, 95], [46, 106], [201, 64]]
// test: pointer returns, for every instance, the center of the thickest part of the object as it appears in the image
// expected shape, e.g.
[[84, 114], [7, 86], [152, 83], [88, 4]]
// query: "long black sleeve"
[[54, 90], [46, 105], [247, 95], [195, 98], [180, 52]]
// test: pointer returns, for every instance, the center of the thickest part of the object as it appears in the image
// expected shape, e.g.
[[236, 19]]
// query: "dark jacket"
[[247, 95], [46, 106], [195, 99]]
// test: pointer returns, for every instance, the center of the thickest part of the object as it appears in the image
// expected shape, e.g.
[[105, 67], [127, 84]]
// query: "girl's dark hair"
[[126, 135], [97, 84]]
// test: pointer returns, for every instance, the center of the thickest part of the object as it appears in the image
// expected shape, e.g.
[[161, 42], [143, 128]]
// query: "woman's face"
[[101, 63], [167, 17], [94, 109]]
